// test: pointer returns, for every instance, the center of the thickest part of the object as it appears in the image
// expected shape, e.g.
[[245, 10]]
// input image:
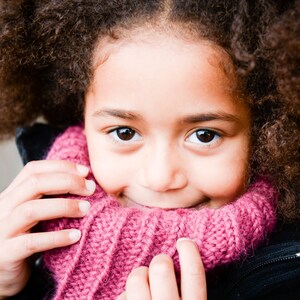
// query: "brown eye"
[[205, 136], [125, 133]]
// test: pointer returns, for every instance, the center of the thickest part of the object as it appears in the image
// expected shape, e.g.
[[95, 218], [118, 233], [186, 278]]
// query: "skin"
[[160, 92], [168, 167], [161, 269], [22, 207]]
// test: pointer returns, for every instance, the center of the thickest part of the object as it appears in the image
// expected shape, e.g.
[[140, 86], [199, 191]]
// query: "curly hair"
[[46, 50]]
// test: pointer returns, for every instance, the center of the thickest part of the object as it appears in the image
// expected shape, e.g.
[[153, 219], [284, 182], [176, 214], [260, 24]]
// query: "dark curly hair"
[[46, 50]]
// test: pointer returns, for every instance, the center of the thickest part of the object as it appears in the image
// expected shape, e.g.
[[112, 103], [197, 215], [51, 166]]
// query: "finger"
[[23, 246], [137, 285], [162, 279], [27, 215], [193, 282], [46, 166], [37, 185], [122, 296]]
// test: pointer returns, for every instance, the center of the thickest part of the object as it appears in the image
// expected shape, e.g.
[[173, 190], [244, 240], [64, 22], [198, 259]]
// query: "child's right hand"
[[23, 205], [159, 280]]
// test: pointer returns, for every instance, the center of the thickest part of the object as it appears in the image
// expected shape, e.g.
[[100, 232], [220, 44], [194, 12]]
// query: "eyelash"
[[208, 134], [193, 138], [113, 133]]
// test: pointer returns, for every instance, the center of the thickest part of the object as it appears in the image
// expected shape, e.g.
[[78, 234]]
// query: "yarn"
[[117, 239]]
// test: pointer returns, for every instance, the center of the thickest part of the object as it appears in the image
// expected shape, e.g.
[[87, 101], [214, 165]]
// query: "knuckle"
[[57, 239], [30, 167], [33, 181], [31, 245], [74, 181], [70, 180], [69, 206], [28, 211], [68, 164], [62, 165], [52, 240]]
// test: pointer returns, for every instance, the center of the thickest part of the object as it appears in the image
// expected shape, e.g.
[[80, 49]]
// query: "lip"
[[131, 203], [128, 202]]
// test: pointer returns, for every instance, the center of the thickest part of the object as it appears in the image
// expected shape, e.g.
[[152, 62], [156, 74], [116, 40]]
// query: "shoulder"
[[273, 272]]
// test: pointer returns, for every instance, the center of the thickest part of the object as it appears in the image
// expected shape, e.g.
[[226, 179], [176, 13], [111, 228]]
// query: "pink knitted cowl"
[[116, 239]]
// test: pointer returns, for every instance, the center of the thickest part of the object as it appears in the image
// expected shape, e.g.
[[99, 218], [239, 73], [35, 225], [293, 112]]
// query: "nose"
[[163, 170]]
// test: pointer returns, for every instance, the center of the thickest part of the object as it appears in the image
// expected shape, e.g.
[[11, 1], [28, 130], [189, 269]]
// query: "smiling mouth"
[[128, 202]]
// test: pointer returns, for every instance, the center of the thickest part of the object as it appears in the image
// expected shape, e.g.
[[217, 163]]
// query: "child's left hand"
[[158, 282]]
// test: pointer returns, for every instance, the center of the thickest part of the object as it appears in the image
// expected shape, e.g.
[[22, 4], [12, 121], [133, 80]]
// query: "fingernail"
[[182, 240], [75, 235], [90, 185], [84, 206], [83, 170]]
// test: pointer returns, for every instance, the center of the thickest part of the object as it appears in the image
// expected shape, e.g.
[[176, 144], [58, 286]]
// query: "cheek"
[[110, 172], [224, 178], [231, 183], [106, 173], [234, 170]]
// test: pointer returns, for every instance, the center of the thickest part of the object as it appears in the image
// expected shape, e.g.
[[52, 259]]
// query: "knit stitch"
[[117, 239]]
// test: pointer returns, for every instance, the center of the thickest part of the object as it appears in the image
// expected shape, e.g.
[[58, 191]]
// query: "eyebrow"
[[118, 113], [190, 119], [205, 117]]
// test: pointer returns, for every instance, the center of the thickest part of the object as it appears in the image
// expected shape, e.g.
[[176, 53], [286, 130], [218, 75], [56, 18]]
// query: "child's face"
[[165, 127]]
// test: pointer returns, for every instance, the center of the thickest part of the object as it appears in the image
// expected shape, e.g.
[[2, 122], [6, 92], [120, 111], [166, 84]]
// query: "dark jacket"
[[273, 272]]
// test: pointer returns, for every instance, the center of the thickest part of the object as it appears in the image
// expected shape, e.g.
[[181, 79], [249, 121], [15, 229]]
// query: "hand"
[[158, 282], [22, 207]]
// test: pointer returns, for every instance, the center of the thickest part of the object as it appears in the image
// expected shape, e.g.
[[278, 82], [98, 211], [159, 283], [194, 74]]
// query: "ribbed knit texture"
[[117, 239]]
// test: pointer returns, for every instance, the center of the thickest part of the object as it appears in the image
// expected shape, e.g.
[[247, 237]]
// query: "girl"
[[182, 96]]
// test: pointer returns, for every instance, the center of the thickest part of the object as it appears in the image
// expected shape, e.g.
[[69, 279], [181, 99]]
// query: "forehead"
[[156, 66], [163, 80], [177, 42]]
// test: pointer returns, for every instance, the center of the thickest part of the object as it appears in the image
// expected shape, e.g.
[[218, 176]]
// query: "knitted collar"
[[117, 239]]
